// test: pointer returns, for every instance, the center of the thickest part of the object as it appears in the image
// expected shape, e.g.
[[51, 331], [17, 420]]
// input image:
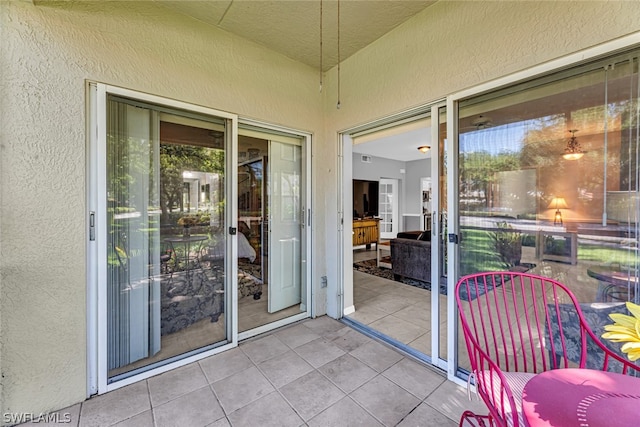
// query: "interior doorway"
[[388, 284]]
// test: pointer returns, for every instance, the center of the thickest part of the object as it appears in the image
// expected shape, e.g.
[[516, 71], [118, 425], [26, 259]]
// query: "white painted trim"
[[168, 367], [92, 265], [345, 227], [273, 325], [452, 228], [231, 219], [349, 310], [168, 102], [435, 229], [307, 150], [101, 232]]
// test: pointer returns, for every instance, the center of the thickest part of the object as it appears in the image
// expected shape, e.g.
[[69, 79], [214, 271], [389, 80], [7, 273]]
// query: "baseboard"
[[349, 310]]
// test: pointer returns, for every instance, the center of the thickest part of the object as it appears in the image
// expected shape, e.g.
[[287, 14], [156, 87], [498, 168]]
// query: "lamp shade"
[[558, 203]]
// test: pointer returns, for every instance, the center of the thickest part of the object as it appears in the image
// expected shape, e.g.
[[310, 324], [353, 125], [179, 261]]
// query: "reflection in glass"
[[165, 190], [513, 175]]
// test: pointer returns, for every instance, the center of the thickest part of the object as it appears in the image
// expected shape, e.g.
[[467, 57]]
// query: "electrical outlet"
[[323, 282]]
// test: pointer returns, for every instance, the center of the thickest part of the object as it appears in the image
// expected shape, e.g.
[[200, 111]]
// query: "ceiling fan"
[[478, 123]]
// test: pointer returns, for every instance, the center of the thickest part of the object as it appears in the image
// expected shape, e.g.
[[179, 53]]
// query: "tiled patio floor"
[[317, 372]]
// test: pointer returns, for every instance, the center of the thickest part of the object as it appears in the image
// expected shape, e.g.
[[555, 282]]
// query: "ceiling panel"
[[293, 27]]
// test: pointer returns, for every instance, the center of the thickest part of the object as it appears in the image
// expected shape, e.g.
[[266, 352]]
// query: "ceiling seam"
[[225, 13]]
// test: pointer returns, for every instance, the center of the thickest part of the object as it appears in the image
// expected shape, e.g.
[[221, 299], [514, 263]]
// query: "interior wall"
[[378, 168], [48, 52], [451, 46], [413, 198]]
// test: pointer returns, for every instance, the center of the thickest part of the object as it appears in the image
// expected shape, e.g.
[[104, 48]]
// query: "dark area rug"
[[369, 266]]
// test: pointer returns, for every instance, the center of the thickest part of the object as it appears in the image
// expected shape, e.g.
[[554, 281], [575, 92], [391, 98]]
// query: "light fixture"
[[573, 151], [557, 203], [424, 149]]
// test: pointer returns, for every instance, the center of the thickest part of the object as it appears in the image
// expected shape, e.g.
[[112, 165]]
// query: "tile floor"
[[318, 372], [403, 312]]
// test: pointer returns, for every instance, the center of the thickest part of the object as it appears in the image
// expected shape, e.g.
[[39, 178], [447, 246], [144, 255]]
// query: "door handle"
[[433, 223]]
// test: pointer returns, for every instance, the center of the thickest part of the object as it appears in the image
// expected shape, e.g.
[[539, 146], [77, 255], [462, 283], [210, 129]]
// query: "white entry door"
[[388, 207], [286, 223]]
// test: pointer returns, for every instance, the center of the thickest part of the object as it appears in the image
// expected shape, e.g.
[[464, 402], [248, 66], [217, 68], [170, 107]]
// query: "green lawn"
[[478, 254]]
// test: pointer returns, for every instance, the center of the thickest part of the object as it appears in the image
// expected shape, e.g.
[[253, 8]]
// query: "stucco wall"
[[47, 55], [451, 46]]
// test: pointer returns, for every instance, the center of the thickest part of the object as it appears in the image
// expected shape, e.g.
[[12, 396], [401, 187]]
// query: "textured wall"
[[47, 55], [451, 46], [48, 52]]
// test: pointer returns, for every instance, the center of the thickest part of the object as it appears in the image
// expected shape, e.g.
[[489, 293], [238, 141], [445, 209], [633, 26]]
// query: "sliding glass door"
[[186, 257], [161, 235], [548, 183]]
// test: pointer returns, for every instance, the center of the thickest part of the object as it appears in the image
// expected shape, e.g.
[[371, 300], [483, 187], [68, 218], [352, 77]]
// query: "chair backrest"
[[518, 322]]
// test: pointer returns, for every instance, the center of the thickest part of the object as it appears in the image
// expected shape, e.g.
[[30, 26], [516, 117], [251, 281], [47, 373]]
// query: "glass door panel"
[[440, 236], [548, 183], [272, 228], [388, 207], [166, 251]]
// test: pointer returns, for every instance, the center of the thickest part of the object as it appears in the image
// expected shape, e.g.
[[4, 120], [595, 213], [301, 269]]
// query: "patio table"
[[581, 397], [613, 283], [186, 251]]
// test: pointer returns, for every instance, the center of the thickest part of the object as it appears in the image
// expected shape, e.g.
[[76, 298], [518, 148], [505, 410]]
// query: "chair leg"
[[469, 419]]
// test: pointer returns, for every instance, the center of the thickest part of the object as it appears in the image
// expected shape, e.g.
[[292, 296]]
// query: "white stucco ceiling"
[[293, 27]]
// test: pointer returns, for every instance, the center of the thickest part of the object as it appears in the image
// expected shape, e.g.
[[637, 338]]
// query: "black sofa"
[[411, 256]]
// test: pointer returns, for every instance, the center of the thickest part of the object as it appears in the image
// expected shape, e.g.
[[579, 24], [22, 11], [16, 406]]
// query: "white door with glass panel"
[[388, 207], [286, 223]]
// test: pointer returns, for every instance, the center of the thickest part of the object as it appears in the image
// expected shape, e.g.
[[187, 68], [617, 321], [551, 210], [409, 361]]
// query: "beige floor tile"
[[347, 372], [346, 412], [324, 325], [144, 419], [390, 303], [242, 388], [268, 411], [318, 352], [296, 335], [422, 344], [376, 355], [385, 400], [425, 415], [285, 368], [361, 295], [115, 406], [198, 408], [348, 339], [417, 379], [222, 422], [451, 400], [398, 329], [367, 314], [311, 394], [264, 348], [418, 314], [225, 364], [175, 383]]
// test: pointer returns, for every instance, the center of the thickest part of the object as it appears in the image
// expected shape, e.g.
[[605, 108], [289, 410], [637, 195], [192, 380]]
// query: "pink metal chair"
[[516, 325]]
